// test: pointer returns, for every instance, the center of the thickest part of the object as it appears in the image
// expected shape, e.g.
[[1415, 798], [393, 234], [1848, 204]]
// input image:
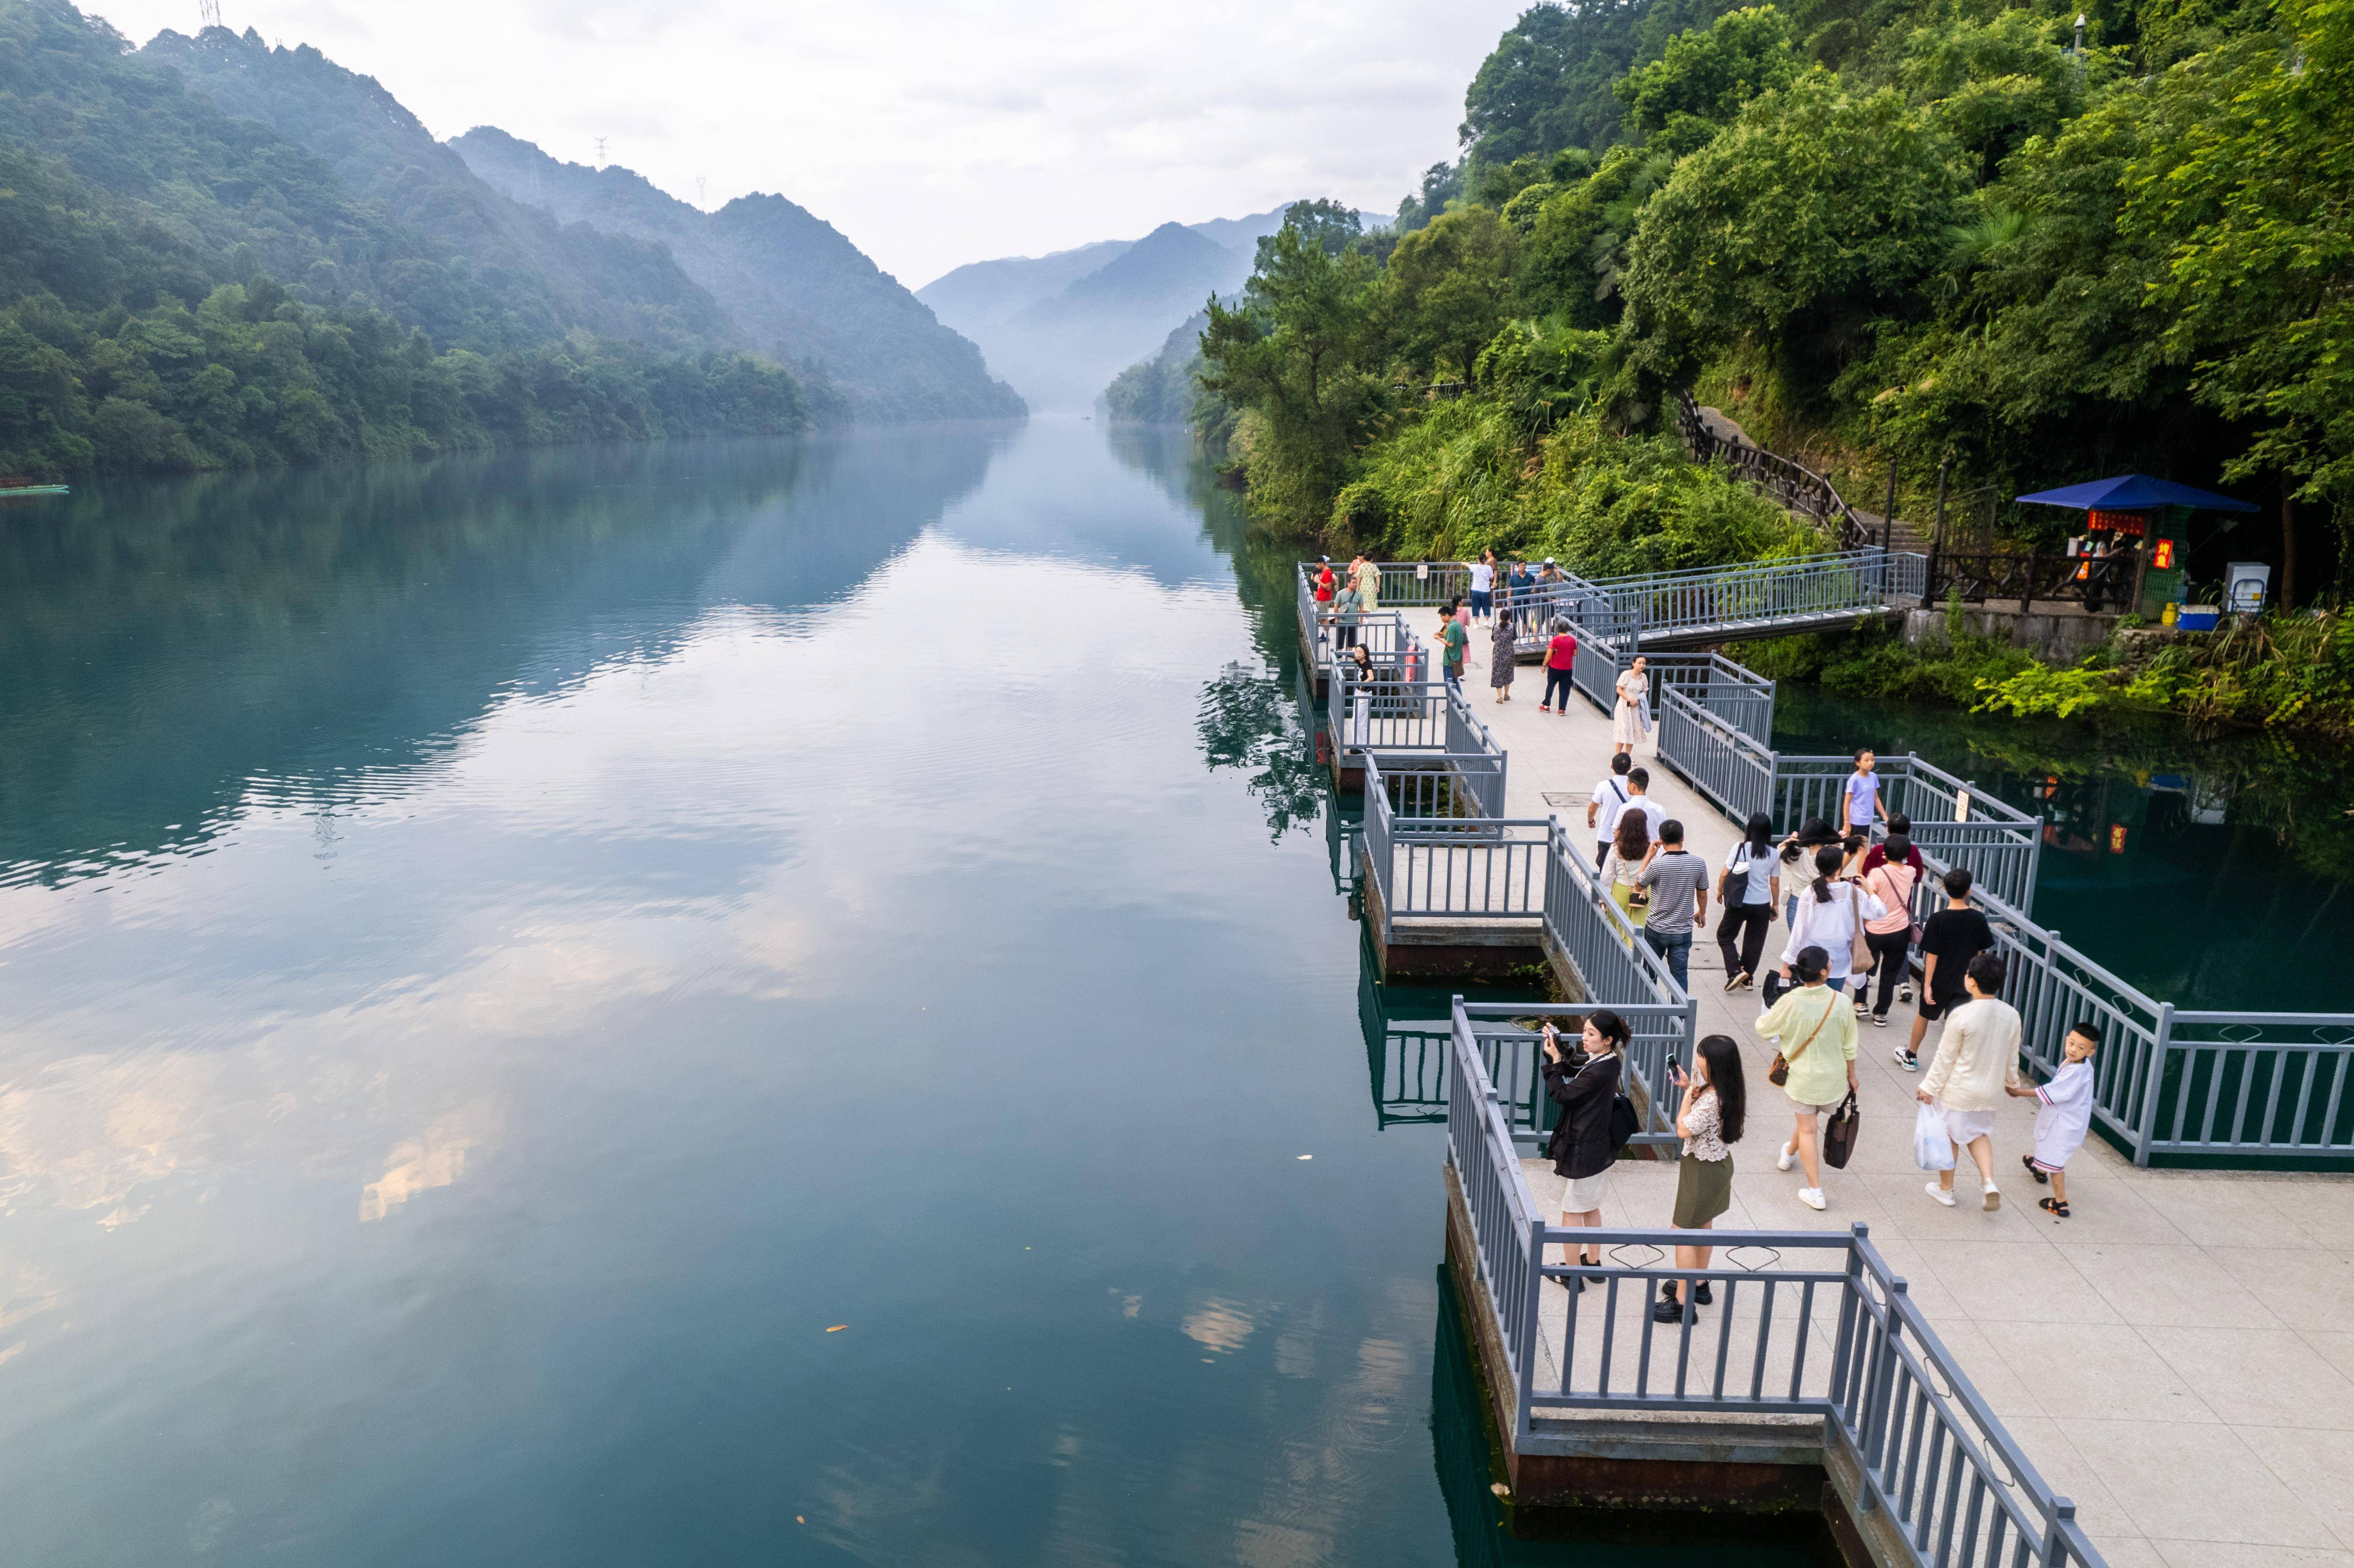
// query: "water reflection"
[[170, 650], [1250, 721]]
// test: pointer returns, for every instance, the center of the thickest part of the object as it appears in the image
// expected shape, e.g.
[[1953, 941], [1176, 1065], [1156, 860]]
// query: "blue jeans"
[[1481, 600], [1676, 948]]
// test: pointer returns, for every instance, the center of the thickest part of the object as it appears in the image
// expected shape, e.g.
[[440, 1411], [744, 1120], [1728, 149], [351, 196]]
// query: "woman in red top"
[[1561, 655]]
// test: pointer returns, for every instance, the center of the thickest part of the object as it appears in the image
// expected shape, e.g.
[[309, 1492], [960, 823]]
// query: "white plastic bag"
[[1931, 1150]]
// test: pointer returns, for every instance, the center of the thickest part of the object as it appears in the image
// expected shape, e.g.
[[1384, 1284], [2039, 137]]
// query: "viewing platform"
[[2176, 1357]]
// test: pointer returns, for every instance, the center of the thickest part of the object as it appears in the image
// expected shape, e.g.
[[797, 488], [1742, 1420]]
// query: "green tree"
[[1817, 211], [1293, 356], [1710, 75], [2248, 185], [1450, 290]]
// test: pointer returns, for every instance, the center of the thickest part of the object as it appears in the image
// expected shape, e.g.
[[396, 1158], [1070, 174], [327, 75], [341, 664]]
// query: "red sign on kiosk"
[[2131, 524], [2162, 556]]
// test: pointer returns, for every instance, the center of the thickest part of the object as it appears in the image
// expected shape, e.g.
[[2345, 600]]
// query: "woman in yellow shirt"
[[1815, 1029]]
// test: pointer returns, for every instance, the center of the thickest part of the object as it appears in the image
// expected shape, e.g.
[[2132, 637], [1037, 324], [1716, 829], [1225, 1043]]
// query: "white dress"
[[1627, 726]]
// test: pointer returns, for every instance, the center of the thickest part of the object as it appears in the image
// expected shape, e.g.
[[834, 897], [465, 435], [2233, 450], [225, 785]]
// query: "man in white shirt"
[[1638, 784], [1610, 798]]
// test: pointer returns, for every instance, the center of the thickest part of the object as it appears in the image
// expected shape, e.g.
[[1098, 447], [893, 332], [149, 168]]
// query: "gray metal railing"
[[1440, 784], [1792, 594], [1401, 717], [1731, 770], [1459, 871], [1841, 1340], [1954, 822]]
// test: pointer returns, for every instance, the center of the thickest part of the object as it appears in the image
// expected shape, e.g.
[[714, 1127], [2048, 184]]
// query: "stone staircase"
[[1904, 536]]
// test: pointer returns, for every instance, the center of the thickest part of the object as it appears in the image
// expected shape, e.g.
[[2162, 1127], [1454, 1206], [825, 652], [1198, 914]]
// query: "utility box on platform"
[[2245, 586]]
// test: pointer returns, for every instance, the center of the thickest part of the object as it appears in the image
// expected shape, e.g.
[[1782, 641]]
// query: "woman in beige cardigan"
[[1976, 1065]]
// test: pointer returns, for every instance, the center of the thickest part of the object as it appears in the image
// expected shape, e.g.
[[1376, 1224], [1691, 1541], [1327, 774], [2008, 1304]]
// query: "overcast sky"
[[931, 133]]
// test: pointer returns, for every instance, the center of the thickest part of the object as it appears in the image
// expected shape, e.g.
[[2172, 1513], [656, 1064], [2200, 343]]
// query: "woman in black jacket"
[[1582, 1149]]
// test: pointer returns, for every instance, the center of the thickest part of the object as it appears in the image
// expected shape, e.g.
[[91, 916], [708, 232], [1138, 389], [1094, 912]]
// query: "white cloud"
[[935, 133]]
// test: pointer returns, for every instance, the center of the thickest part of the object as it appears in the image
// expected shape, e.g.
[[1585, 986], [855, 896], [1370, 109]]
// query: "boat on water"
[[11, 488]]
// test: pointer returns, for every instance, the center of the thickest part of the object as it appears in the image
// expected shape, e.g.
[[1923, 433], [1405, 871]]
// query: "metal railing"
[[1733, 771], [1420, 584], [1461, 871], [1795, 486], [1954, 822], [1452, 784], [1792, 594], [1402, 717], [1841, 1340]]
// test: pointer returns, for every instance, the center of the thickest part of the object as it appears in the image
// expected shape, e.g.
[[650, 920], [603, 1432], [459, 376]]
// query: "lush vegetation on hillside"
[[179, 289], [1940, 236]]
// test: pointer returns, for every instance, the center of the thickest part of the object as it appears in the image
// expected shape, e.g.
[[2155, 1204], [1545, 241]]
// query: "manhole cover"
[[1564, 797]]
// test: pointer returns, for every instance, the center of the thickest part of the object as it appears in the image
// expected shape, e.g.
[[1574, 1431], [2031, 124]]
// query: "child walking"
[[2066, 1114]]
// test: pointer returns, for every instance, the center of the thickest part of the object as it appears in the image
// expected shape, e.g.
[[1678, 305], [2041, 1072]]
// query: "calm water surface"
[[2214, 873], [713, 1004]]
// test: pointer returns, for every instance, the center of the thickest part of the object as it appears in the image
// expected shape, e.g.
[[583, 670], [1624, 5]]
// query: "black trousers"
[[1556, 680], [1757, 919], [1888, 962]]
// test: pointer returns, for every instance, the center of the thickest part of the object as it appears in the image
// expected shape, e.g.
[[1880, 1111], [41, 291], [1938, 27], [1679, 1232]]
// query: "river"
[[721, 1003]]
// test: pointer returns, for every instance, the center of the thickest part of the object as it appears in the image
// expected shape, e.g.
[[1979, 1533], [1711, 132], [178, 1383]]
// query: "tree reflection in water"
[[1248, 720]]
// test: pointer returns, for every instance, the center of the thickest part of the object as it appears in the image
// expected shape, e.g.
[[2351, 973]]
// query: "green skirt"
[[1703, 1190]]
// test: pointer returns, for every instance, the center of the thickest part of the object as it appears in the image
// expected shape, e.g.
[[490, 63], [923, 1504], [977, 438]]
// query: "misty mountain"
[[551, 278], [1060, 326], [788, 279], [980, 293]]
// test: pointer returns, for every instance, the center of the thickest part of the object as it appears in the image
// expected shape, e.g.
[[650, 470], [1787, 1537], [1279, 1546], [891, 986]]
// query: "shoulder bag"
[[1725, 880], [1779, 1073], [1860, 955]]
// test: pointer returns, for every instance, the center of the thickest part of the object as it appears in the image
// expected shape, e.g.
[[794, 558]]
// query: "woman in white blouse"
[[1831, 913], [1628, 722]]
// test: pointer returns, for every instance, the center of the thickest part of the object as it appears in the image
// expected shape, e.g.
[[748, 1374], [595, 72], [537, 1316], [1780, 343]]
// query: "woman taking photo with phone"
[[1580, 1148]]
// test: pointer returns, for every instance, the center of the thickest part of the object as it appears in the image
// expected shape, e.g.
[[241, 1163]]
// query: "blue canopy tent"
[[2144, 517], [2132, 493]]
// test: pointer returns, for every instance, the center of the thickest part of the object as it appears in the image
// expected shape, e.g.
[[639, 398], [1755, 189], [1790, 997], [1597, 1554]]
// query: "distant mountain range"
[[555, 247], [1060, 326], [784, 276]]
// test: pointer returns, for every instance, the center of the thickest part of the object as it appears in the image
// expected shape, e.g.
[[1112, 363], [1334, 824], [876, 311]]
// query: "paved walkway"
[[2179, 1356]]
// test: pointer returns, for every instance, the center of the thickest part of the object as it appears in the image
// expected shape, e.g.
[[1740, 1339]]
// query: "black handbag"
[[1840, 1133]]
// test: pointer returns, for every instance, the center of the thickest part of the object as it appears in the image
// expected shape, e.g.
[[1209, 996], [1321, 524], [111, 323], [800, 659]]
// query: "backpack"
[[1624, 1123]]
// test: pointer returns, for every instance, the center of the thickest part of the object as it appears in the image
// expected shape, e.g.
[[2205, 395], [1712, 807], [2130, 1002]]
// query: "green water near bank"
[[719, 1002], [2211, 873]]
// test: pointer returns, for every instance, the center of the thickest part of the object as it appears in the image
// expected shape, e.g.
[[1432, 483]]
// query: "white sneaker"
[[1993, 1197], [1940, 1193], [1812, 1197], [1903, 990], [1787, 1158], [1904, 1060]]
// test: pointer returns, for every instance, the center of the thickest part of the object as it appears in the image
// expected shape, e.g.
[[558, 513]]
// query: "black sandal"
[[2041, 1179], [2057, 1206]]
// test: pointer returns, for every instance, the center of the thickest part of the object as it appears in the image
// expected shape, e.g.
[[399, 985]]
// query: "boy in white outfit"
[[2065, 1116]]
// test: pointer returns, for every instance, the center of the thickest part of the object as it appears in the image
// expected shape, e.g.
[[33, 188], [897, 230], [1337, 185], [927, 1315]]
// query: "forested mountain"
[[1059, 326], [787, 278], [1160, 390], [180, 288], [551, 277]]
